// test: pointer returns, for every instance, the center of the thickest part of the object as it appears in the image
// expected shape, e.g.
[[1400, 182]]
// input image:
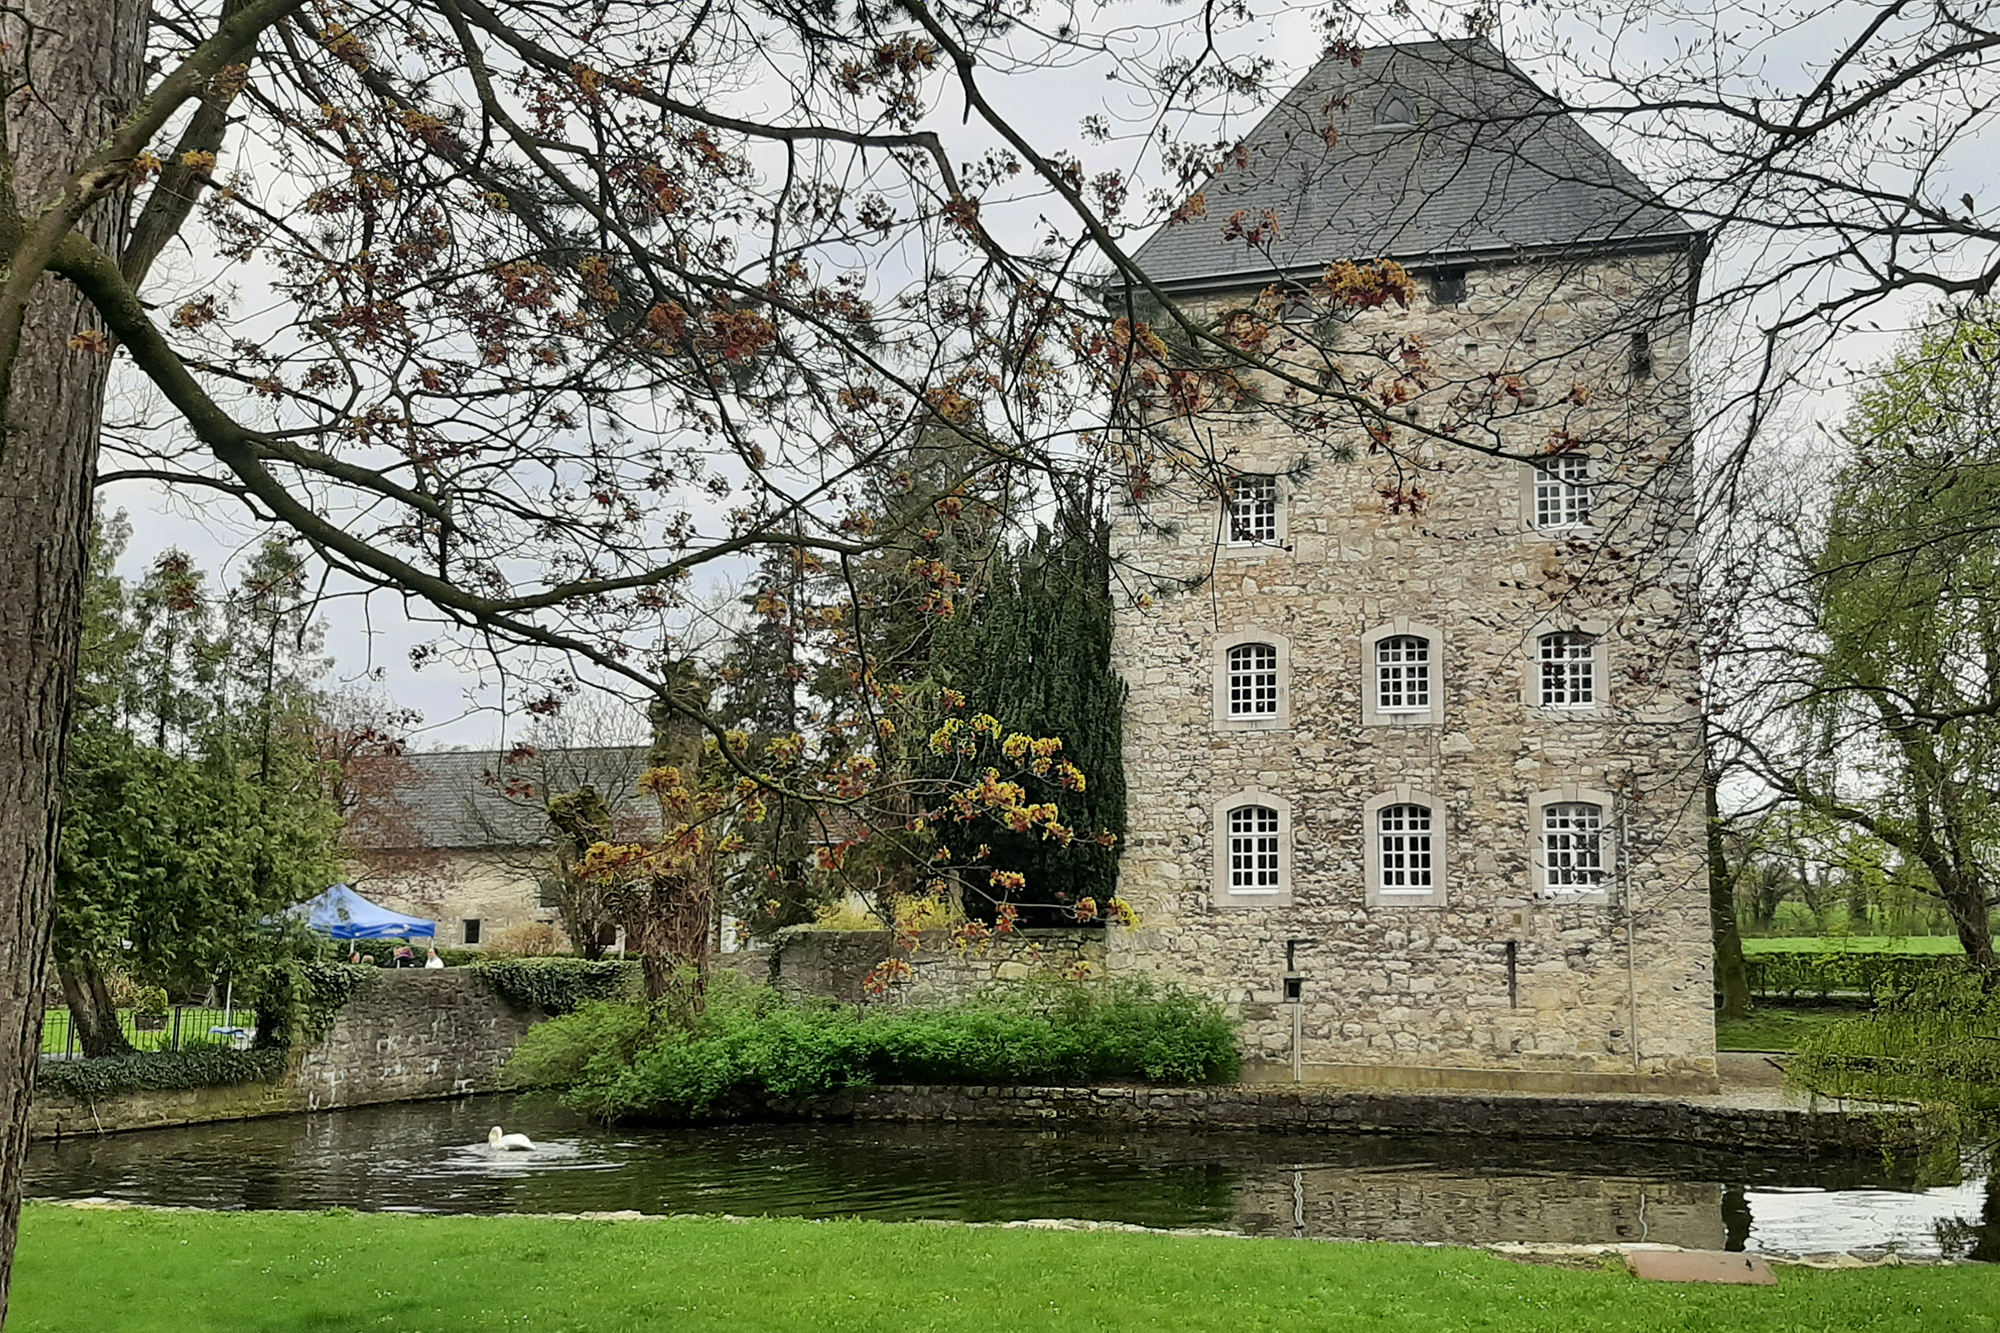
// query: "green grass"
[[1777, 1029], [141, 1272], [1908, 944], [195, 1024]]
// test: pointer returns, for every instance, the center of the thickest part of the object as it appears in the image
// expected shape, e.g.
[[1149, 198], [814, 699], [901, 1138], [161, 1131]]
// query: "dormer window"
[[1398, 109]]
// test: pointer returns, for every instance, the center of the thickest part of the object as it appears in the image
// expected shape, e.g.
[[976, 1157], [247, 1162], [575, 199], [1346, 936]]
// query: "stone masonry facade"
[[1604, 990]]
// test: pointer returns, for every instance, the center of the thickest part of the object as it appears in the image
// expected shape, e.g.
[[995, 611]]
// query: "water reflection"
[[432, 1157]]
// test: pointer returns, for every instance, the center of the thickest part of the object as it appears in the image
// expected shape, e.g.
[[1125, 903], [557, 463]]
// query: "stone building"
[[460, 837], [1415, 770]]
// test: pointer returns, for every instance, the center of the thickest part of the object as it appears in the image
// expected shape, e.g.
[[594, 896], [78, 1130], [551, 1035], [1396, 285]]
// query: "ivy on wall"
[[555, 985], [191, 1067]]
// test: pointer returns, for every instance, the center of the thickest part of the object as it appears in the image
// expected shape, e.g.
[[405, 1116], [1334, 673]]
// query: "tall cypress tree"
[[1034, 650]]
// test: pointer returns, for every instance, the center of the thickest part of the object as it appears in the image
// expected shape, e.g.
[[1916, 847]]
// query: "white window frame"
[[1538, 808], [1372, 712], [1599, 634], [1554, 472], [1219, 684], [1280, 524], [1379, 895], [1226, 894]]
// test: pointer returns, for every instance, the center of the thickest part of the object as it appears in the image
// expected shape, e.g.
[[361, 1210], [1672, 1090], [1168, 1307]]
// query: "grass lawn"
[[1925, 944], [1777, 1029], [85, 1271]]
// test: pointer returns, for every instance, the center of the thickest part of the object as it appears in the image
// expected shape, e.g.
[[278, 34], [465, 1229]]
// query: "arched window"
[[1403, 674], [1253, 509], [1562, 491], [1405, 850], [1573, 858], [1255, 851], [1253, 681], [1404, 837], [1568, 670], [1250, 680]]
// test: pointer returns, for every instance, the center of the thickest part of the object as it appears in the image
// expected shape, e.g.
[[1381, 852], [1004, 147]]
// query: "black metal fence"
[[180, 1027]]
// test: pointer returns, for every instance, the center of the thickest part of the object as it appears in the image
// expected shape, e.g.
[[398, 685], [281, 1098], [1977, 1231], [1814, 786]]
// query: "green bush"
[[201, 1065], [750, 1048]]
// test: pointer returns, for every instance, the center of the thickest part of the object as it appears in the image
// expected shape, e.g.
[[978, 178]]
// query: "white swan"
[[511, 1142]]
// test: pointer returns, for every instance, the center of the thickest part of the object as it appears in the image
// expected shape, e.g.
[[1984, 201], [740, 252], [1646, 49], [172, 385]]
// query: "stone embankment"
[[1723, 1121], [404, 1036]]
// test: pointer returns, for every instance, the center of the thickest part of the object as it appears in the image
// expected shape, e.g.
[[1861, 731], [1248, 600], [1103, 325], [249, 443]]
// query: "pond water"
[[432, 1157]]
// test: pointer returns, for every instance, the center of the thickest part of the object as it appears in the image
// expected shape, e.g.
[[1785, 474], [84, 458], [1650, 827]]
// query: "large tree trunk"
[[92, 1014], [84, 58], [1732, 974], [1965, 898]]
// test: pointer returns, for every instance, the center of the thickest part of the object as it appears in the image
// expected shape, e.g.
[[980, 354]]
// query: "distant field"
[[1910, 944]]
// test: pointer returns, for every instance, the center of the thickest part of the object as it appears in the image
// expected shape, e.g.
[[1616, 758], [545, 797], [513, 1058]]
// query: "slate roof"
[[1488, 164], [468, 799]]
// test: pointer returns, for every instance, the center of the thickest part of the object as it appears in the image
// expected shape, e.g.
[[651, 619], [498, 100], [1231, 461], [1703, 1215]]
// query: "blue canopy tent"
[[346, 915]]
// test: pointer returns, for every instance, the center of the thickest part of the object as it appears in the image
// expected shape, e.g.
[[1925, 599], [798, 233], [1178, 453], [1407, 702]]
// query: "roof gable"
[[1491, 165], [469, 799]]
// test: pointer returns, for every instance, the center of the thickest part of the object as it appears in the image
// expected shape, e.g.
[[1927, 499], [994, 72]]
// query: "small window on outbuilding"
[[1448, 287], [1398, 108], [469, 931]]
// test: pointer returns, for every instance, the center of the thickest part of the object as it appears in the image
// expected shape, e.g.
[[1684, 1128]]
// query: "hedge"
[[200, 1066], [1788, 976]]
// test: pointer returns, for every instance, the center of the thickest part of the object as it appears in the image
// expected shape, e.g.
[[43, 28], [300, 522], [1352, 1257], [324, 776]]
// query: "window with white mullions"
[[1573, 859], [1562, 491], [1403, 674], [1253, 680], [1254, 850], [1405, 850], [1253, 509], [1569, 670]]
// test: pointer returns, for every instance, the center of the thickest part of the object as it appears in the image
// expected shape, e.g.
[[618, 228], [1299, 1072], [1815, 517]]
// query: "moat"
[[432, 1157]]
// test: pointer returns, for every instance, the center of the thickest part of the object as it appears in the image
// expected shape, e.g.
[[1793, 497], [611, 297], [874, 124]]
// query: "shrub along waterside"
[[751, 1047]]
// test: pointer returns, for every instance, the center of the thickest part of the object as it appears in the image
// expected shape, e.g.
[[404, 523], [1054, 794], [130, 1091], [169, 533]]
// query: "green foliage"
[[750, 1048], [202, 1065], [1907, 627], [194, 810], [1936, 1043], [554, 985]]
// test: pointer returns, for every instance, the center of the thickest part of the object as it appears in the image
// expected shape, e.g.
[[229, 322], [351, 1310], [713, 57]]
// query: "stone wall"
[[834, 963], [1294, 1109], [1494, 977], [406, 1035]]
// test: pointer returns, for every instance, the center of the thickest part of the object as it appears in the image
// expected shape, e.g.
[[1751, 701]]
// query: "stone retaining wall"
[[1717, 1123], [834, 963], [404, 1036]]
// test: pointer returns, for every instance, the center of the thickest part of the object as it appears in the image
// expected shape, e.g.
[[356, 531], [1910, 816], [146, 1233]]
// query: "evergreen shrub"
[[751, 1048]]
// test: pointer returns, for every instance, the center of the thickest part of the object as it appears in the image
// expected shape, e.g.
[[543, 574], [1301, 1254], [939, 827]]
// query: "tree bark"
[[92, 1014], [1732, 974], [83, 60]]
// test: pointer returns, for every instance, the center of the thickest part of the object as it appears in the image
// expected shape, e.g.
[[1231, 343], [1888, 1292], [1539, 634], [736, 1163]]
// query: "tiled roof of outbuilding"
[[1486, 164], [465, 799]]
